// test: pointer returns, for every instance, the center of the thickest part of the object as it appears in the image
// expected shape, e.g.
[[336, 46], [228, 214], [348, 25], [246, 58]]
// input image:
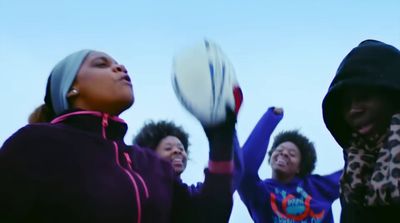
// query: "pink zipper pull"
[[129, 161], [104, 123]]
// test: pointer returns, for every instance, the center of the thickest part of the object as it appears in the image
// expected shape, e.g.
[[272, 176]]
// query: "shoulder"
[[28, 134], [33, 129], [147, 159], [268, 184], [36, 137], [313, 178], [328, 183], [26, 144], [145, 154], [334, 176], [38, 130]]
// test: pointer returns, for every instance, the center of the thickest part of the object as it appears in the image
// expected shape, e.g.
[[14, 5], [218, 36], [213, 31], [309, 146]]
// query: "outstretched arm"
[[212, 201], [255, 147], [328, 184], [254, 150]]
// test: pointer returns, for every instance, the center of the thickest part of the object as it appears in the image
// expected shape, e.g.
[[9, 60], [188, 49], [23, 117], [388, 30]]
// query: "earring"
[[74, 91]]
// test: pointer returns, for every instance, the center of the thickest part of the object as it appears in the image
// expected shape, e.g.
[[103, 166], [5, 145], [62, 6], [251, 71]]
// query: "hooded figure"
[[362, 114]]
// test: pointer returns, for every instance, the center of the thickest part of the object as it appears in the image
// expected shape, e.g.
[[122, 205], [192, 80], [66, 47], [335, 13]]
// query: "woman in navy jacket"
[[72, 165]]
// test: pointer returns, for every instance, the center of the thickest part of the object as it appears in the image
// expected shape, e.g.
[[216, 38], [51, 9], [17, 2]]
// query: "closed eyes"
[[170, 148], [100, 62], [103, 61], [291, 153]]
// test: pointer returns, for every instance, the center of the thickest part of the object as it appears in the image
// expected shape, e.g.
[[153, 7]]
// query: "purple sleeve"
[[256, 145], [238, 168], [210, 201], [254, 151], [332, 181], [329, 184]]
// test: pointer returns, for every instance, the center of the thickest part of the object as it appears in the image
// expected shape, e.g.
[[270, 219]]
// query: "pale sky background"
[[285, 54]]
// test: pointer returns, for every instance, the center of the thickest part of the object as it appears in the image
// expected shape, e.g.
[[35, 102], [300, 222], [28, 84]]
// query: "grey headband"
[[62, 76]]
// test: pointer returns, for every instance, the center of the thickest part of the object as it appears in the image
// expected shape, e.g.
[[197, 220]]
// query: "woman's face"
[[103, 85], [367, 111], [285, 161], [171, 149]]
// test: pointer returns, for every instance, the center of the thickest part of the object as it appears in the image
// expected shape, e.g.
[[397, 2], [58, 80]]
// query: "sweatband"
[[62, 77]]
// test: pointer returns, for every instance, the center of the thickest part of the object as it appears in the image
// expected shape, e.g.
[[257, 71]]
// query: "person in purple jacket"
[[293, 194], [171, 142], [70, 164]]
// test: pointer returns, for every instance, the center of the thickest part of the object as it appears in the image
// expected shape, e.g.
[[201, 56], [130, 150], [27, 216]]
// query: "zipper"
[[132, 179], [104, 124], [129, 161]]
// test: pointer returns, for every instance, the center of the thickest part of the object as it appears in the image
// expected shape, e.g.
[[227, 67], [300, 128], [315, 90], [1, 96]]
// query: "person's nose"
[[177, 150], [284, 153], [119, 68]]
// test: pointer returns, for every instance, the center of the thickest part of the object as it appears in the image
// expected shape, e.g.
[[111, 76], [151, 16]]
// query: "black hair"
[[151, 134], [306, 148]]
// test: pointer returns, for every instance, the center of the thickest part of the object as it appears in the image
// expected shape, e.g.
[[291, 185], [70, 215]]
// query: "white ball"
[[205, 82]]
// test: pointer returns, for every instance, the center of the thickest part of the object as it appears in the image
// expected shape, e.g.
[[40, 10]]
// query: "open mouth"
[[177, 161], [364, 129], [280, 161]]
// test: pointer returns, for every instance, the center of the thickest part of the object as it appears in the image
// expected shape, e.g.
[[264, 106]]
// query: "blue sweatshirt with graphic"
[[307, 199]]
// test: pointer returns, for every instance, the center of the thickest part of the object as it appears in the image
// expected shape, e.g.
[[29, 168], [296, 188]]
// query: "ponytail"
[[43, 113]]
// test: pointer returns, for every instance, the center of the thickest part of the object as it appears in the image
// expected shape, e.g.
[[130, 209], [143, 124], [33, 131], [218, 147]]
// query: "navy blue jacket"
[[78, 169]]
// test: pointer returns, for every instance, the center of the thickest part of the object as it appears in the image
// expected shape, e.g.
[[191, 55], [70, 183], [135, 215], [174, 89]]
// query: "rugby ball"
[[205, 82]]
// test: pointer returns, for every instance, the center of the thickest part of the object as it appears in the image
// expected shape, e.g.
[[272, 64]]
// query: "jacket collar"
[[109, 127]]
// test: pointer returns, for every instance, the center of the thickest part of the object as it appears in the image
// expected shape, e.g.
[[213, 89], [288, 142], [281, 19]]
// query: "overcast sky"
[[285, 54]]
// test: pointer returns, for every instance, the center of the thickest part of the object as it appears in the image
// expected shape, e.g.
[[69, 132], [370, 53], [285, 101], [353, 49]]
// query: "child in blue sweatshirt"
[[293, 194]]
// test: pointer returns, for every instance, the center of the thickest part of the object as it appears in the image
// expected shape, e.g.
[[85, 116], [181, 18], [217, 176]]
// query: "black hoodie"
[[373, 64]]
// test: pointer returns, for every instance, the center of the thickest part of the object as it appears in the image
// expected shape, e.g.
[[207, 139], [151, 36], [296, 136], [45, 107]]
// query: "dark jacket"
[[78, 169], [372, 64]]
